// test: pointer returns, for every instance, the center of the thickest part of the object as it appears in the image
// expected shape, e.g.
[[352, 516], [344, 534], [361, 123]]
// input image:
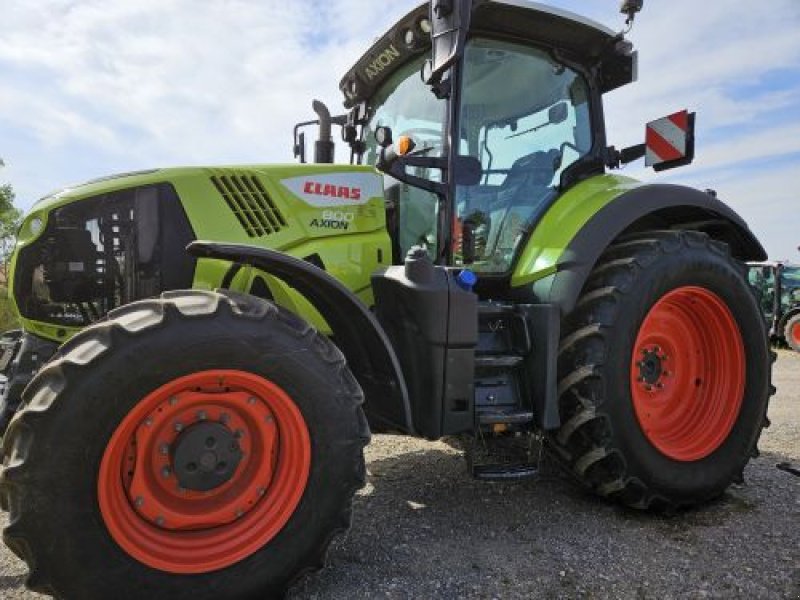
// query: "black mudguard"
[[355, 330], [649, 207]]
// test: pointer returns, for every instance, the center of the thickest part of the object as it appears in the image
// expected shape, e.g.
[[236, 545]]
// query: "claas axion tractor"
[[477, 272]]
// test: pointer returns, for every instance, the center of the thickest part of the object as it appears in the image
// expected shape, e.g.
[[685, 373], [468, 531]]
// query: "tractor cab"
[[479, 131], [498, 129]]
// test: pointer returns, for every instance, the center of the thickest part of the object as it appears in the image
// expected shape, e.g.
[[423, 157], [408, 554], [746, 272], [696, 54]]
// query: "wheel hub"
[[651, 367], [205, 456]]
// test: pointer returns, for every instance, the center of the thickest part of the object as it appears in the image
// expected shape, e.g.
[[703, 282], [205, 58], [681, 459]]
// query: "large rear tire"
[[664, 371], [201, 446]]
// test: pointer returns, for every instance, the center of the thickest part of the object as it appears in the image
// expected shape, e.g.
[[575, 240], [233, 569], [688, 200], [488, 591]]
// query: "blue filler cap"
[[466, 280]]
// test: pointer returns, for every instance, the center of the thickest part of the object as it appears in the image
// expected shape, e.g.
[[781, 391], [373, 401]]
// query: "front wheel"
[[205, 445], [792, 332], [664, 373]]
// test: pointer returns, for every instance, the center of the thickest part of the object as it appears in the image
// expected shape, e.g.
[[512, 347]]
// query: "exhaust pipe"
[[323, 147]]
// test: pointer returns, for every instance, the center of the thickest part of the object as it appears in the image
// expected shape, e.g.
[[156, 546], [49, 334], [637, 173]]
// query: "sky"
[[92, 87]]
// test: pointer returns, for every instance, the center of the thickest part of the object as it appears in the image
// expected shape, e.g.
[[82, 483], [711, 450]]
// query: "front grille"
[[249, 201]]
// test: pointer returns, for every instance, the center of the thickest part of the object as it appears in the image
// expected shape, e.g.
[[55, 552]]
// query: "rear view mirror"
[[449, 26], [670, 141]]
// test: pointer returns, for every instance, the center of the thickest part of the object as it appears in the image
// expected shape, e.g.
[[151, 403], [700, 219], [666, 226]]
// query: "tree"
[[9, 220]]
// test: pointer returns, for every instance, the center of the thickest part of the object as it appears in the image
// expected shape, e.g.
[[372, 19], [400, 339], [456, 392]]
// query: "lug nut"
[[201, 415], [178, 427], [252, 400], [139, 502], [173, 400], [238, 434], [164, 449], [269, 419], [160, 521], [148, 421], [166, 472]]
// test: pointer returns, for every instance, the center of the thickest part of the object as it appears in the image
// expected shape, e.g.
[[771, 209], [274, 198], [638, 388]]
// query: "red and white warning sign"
[[669, 139]]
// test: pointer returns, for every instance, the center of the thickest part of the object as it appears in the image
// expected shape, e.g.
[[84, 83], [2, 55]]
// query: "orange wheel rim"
[[236, 432], [795, 334], [688, 373]]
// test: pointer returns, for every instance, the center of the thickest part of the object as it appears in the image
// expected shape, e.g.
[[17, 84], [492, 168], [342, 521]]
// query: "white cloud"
[[186, 82]]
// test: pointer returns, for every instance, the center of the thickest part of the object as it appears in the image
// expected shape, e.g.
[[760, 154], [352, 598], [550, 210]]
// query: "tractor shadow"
[[11, 582], [422, 514]]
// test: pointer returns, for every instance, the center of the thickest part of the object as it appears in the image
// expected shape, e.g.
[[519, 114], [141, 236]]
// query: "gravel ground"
[[423, 529]]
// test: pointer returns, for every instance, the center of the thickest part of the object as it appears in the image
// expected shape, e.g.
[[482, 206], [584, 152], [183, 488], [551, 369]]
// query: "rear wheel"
[[792, 333], [664, 373], [204, 445]]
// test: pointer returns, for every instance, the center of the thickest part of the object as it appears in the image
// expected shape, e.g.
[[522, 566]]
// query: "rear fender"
[[355, 330], [643, 208]]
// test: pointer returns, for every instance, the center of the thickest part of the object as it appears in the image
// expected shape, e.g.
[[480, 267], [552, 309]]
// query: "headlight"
[[35, 225]]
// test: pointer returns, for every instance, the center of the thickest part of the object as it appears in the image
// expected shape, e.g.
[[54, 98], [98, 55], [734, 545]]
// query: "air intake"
[[249, 201]]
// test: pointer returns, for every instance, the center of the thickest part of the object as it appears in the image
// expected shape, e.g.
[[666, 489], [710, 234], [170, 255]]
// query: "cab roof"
[[581, 39]]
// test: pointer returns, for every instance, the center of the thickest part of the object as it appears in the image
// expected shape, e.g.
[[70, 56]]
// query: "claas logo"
[[332, 191]]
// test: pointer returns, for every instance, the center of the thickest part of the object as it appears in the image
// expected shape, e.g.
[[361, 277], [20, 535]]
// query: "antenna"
[[629, 8]]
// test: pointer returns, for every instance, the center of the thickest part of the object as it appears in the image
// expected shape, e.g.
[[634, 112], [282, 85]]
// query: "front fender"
[[356, 331]]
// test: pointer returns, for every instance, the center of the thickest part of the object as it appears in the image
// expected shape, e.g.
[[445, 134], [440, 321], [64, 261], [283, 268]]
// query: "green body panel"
[[349, 236], [562, 221]]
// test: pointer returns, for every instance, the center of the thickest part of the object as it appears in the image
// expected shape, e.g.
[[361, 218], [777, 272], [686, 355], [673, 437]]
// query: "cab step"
[[505, 417], [493, 361], [505, 456], [505, 472]]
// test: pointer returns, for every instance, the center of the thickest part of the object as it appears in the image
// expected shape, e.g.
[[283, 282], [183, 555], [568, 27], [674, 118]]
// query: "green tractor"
[[777, 285], [475, 273]]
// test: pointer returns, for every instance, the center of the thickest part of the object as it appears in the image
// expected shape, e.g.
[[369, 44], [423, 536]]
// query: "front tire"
[[792, 333], [664, 373], [203, 445]]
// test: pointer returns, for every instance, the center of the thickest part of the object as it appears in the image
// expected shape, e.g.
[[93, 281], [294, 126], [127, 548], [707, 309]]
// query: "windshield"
[[406, 105], [526, 117], [790, 286]]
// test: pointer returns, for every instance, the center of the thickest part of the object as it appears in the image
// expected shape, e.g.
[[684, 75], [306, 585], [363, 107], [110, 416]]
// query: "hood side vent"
[[249, 201]]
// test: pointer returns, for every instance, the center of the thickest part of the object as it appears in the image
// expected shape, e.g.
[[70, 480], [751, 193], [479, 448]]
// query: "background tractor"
[[778, 287], [196, 420]]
